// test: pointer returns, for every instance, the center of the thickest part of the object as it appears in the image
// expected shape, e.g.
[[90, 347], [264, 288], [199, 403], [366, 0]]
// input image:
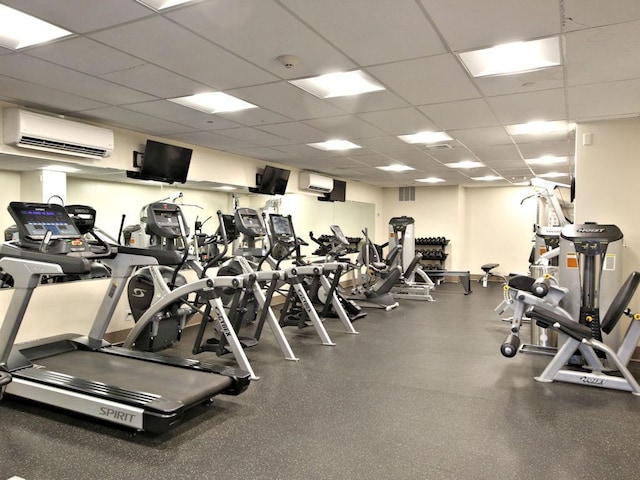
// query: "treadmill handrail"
[[69, 264]]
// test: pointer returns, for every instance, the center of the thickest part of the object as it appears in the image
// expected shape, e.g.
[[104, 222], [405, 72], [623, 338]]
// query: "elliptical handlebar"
[[225, 242]]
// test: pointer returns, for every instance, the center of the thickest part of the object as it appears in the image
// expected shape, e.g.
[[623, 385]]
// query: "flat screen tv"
[[166, 163], [273, 181], [338, 194]]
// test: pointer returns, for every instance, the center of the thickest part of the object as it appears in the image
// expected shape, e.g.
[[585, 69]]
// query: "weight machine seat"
[[412, 266], [385, 285], [393, 254], [522, 282], [580, 332], [487, 267], [620, 302], [548, 319]]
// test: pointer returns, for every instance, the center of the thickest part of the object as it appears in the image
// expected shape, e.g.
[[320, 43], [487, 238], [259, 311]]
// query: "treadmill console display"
[[248, 222], [37, 220], [34, 220], [280, 226]]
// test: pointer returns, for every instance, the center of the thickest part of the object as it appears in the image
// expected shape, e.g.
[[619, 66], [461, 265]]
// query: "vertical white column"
[[54, 187]]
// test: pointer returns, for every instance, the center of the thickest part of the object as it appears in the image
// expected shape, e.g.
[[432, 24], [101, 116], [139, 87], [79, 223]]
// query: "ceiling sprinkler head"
[[289, 61]]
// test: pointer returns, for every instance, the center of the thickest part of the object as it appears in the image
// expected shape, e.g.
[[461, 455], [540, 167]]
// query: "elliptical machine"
[[164, 224], [322, 285]]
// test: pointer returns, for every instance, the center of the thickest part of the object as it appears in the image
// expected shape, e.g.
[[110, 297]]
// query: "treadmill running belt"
[[188, 386]]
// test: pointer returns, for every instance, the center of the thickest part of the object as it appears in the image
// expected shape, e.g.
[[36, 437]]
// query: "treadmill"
[[84, 374]]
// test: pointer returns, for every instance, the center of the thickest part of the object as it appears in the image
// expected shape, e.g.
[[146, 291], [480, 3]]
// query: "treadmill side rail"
[[77, 402]]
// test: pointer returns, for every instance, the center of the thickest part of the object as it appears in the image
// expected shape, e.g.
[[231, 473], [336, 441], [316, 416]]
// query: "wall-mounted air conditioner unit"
[[52, 134], [314, 182]]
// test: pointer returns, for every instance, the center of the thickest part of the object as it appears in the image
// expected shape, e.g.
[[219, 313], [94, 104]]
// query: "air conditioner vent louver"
[[67, 147], [439, 146], [27, 129]]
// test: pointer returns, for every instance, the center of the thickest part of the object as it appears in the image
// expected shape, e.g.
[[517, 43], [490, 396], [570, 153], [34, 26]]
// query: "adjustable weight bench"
[[580, 337], [486, 268]]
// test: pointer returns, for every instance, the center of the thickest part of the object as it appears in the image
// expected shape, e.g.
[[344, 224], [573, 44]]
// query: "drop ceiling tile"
[[254, 117], [502, 164], [347, 127], [134, 121], [400, 121], [185, 116], [36, 96], [545, 79], [413, 158], [452, 155], [305, 152], [386, 144], [463, 114], [260, 31], [82, 16], [467, 25], [497, 153], [265, 153], [212, 140], [372, 31], [162, 42], [561, 148], [86, 56], [480, 137], [590, 13], [603, 100], [287, 100], [426, 80], [253, 135], [32, 69], [296, 132], [603, 54], [369, 102], [373, 159], [156, 81], [528, 107]]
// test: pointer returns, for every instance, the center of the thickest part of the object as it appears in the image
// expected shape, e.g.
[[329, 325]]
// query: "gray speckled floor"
[[421, 393]]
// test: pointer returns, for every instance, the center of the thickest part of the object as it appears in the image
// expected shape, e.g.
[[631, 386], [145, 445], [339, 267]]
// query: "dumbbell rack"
[[433, 258]]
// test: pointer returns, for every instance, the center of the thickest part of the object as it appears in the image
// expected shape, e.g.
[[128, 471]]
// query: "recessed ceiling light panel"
[[340, 84], [431, 180], [510, 58], [334, 145], [19, 30], [465, 164], [162, 4], [426, 137], [396, 167], [546, 160], [487, 178], [540, 128], [213, 102]]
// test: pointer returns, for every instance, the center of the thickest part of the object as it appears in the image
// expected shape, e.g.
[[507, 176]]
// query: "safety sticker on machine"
[[572, 260], [609, 262]]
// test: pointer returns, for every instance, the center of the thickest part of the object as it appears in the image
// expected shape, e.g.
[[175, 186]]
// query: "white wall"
[[10, 191], [484, 225], [112, 200], [499, 229], [607, 173]]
